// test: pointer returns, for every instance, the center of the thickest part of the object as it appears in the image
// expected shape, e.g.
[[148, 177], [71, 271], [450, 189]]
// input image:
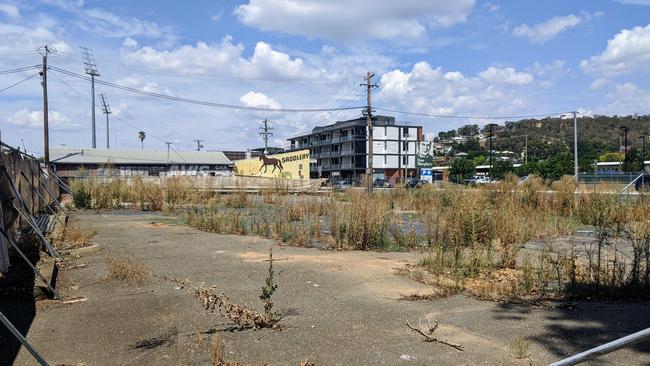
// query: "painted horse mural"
[[266, 161]]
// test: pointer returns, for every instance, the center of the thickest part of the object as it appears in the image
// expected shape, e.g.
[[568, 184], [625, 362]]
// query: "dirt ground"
[[341, 308]]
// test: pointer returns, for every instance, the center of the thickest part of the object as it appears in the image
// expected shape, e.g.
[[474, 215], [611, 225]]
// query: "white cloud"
[[129, 43], [223, 58], [353, 19], [430, 90], [217, 16], [261, 100], [9, 10], [507, 75], [109, 24], [627, 99], [627, 52], [454, 76], [34, 119], [18, 36], [545, 31], [148, 86], [598, 83]]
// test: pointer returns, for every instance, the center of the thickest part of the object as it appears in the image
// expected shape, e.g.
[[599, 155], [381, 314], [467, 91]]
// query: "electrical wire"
[[20, 69], [196, 101], [97, 108], [469, 117], [18, 83]]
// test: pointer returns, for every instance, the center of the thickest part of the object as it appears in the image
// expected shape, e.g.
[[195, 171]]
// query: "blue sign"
[[426, 174]]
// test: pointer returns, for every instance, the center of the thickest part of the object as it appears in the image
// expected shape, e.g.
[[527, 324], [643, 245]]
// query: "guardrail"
[[606, 348]]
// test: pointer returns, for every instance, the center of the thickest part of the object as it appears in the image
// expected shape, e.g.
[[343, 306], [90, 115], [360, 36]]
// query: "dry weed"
[[520, 348], [127, 269], [74, 237]]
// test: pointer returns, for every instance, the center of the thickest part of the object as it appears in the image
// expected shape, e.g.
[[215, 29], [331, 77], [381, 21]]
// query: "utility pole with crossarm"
[[368, 112]]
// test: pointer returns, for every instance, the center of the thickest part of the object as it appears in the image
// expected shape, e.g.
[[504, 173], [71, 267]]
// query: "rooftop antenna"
[[91, 69], [106, 109]]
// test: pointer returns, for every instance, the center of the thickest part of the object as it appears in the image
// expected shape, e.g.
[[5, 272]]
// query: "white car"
[[478, 179]]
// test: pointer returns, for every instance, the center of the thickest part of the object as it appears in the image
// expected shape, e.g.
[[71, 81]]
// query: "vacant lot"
[[340, 308]]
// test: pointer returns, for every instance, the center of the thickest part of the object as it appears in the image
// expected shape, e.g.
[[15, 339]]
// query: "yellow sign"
[[291, 165]]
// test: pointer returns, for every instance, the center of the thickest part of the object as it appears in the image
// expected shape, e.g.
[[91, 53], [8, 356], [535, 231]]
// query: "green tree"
[[634, 160], [500, 169], [142, 135], [611, 156], [462, 168], [468, 130]]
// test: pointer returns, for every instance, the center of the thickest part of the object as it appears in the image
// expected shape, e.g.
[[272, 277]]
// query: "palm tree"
[[141, 136]]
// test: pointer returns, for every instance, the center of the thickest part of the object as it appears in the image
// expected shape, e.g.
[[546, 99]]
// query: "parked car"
[[342, 185], [416, 183], [478, 179], [382, 183]]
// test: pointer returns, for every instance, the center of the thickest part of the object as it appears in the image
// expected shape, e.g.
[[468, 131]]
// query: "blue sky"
[[463, 57]]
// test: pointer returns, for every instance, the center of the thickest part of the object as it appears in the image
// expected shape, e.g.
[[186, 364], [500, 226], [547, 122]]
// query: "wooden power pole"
[[369, 85], [45, 51]]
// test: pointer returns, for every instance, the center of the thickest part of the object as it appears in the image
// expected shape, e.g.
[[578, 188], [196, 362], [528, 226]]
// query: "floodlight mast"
[[91, 69]]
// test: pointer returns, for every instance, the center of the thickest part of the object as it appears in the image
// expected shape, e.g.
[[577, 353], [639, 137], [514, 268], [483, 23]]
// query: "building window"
[[385, 159], [405, 146], [405, 131], [405, 160]]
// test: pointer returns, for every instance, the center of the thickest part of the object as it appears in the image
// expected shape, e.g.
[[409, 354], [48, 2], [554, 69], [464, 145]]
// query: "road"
[[341, 308]]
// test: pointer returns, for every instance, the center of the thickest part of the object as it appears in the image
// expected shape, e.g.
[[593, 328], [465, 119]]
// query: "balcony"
[[335, 166], [348, 138]]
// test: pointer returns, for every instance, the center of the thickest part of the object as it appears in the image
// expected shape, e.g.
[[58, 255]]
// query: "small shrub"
[[74, 237], [82, 199], [268, 289], [127, 269]]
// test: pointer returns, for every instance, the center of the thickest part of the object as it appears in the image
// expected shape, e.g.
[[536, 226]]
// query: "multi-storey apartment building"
[[341, 149]]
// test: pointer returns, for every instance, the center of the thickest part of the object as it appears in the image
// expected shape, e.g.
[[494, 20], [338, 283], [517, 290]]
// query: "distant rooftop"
[[135, 156]]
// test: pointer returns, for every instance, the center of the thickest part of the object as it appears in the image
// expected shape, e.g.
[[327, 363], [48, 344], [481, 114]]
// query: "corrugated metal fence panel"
[[25, 173]]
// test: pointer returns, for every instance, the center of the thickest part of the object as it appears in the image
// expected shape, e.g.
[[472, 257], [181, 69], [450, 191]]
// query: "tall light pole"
[[91, 69], [106, 109], [168, 146]]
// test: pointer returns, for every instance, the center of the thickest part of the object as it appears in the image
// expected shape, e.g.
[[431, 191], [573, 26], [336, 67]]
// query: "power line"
[[114, 115], [200, 102], [20, 69], [18, 83], [470, 117]]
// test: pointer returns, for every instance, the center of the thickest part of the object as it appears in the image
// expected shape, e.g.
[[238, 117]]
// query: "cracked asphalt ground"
[[341, 308]]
